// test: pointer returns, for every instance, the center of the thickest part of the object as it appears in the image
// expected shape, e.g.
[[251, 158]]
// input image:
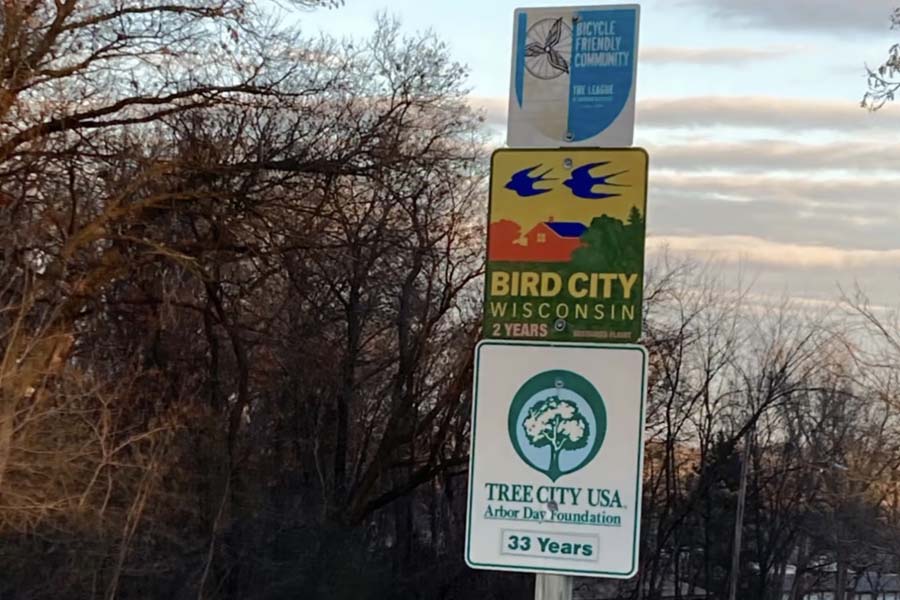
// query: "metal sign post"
[[556, 452], [552, 587]]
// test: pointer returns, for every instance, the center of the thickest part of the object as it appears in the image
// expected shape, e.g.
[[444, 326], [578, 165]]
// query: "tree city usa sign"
[[555, 471]]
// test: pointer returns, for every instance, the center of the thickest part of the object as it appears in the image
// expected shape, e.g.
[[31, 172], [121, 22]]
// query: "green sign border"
[[566, 336], [640, 468]]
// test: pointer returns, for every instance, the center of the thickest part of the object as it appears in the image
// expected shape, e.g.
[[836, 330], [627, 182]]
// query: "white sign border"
[[639, 480], [535, 139]]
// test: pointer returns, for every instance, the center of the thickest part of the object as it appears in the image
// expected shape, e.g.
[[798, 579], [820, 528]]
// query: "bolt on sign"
[[556, 458], [566, 233], [573, 76]]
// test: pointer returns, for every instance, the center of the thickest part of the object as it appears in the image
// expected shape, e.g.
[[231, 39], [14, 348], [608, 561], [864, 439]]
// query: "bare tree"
[[883, 80]]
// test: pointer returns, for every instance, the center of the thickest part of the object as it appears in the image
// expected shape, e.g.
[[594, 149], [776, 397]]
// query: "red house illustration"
[[548, 241], [553, 241]]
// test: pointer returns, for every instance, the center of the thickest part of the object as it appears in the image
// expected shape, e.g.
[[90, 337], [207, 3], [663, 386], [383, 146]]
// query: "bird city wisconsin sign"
[[556, 458], [566, 244]]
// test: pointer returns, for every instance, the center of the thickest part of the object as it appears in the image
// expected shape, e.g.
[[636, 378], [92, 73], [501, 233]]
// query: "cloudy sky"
[[760, 155]]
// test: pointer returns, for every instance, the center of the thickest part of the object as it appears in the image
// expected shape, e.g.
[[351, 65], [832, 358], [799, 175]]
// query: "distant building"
[[864, 586], [814, 586], [600, 589]]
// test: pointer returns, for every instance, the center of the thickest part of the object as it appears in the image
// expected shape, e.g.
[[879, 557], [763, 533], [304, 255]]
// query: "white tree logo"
[[558, 424]]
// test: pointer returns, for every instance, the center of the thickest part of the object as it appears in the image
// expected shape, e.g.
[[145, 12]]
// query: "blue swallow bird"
[[522, 182], [582, 183]]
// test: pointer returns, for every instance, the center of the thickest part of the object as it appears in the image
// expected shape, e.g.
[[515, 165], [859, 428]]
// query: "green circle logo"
[[557, 422]]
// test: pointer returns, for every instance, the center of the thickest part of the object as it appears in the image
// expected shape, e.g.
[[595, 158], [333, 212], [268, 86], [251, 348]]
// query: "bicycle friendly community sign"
[[556, 458], [573, 76]]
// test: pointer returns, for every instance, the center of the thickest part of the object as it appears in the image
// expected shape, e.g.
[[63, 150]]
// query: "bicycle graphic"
[[548, 48]]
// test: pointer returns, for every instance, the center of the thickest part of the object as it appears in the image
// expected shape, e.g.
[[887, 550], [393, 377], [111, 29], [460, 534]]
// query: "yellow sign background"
[[560, 203], [565, 264]]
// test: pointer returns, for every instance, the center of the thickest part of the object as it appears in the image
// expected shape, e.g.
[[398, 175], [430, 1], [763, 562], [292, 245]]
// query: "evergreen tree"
[[634, 218]]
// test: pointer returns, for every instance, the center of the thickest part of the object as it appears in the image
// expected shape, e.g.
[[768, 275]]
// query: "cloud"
[[828, 194], [713, 56], [843, 212], [755, 250], [803, 187], [494, 107], [812, 276], [758, 112], [836, 16], [776, 154], [768, 112]]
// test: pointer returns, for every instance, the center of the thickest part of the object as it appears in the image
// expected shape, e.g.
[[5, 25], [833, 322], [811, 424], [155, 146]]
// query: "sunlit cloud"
[[762, 112], [758, 251], [727, 56], [776, 154], [816, 192], [839, 16], [756, 112]]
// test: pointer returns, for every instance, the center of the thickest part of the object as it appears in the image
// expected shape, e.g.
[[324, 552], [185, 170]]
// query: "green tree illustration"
[[558, 424], [635, 220], [608, 244]]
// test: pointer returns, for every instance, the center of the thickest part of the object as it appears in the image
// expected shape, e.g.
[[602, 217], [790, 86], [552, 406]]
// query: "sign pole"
[[564, 275], [552, 587]]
